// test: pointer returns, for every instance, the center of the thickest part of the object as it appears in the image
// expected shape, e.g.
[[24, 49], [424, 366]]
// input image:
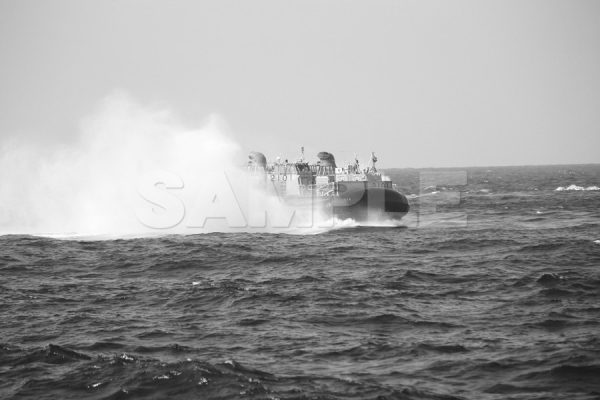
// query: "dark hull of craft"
[[369, 204], [361, 205]]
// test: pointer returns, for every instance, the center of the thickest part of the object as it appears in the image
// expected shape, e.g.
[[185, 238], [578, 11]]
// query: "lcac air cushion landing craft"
[[362, 194]]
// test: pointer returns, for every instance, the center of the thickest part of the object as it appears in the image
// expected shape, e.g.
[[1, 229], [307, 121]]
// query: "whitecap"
[[576, 188]]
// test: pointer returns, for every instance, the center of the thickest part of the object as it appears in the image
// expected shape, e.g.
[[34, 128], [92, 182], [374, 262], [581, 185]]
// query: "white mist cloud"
[[89, 187], [192, 176]]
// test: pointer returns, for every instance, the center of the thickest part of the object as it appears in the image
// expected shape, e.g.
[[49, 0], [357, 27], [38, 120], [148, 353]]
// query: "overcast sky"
[[421, 83]]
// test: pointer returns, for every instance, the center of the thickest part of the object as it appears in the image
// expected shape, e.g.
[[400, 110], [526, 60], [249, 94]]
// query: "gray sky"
[[421, 83]]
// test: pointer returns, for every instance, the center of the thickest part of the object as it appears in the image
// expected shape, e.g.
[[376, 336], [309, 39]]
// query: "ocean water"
[[494, 294]]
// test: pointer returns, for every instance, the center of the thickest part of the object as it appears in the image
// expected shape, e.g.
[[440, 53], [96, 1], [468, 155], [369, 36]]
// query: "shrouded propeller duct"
[[327, 159], [258, 159]]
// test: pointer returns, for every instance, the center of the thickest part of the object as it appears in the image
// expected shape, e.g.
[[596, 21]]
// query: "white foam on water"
[[576, 188]]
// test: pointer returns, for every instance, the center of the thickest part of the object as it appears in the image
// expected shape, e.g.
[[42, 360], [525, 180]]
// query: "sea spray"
[[135, 170]]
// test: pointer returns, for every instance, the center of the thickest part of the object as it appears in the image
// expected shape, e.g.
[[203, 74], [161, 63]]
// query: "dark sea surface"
[[495, 296]]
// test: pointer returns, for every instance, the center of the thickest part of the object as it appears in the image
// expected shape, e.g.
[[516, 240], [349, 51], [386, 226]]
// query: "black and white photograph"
[[300, 199]]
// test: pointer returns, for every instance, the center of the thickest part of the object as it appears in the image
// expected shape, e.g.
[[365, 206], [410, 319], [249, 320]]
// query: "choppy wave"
[[363, 312], [129, 375], [576, 188]]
